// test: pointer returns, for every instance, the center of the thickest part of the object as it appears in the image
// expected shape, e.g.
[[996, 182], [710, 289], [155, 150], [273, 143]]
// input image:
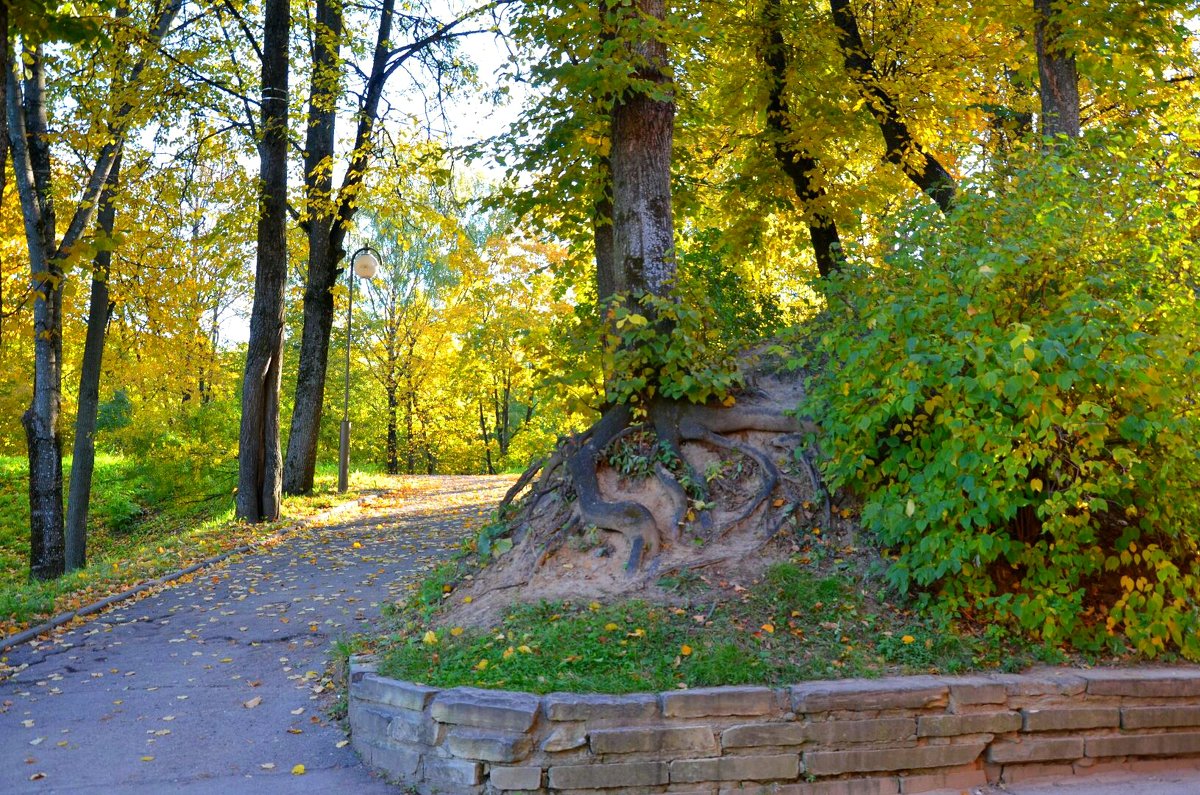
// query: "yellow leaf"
[[768, 628], [907, 639], [685, 650], [594, 606], [1036, 483], [729, 401], [467, 600], [456, 632], [430, 638], [481, 665], [147, 759], [510, 651], [611, 627], [525, 650], [910, 508], [298, 770], [357, 545]]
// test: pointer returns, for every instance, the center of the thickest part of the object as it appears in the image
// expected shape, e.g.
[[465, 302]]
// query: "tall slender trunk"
[[324, 253], [260, 463], [1058, 77], [487, 440], [393, 405], [83, 459], [642, 132], [329, 218], [31, 160], [410, 447]]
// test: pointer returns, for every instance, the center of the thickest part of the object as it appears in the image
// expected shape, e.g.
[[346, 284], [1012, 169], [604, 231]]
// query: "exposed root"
[[629, 518], [520, 485]]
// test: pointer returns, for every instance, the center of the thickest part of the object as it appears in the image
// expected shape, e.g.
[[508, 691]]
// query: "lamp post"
[[364, 263]]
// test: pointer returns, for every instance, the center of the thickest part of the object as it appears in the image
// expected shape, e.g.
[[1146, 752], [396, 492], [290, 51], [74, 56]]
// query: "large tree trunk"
[[642, 130], [1058, 78], [83, 459], [323, 252], [259, 458], [31, 159], [327, 231]]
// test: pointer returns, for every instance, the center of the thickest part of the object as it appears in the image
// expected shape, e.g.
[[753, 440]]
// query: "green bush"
[[1012, 392]]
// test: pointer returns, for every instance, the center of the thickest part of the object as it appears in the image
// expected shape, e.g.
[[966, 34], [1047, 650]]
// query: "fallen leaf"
[[685, 650], [252, 703], [341, 743], [267, 765], [768, 628], [147, 759], [37, 777], [298, 770], [298, 711]]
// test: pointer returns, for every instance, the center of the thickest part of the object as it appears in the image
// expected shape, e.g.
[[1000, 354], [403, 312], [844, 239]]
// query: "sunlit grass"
[[146, 522]]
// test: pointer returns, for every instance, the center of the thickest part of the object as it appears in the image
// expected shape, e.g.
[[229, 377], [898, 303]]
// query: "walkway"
[[222, 684]]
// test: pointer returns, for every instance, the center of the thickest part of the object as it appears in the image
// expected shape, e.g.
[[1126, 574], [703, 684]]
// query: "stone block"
[[369, 721], [972, 690], [968, 723], [510, 778], [397, 763], [488, 746], [572, 706], [862, 695], [749, 735], [877, 730], [851, 786], [1068, 718], [413, 727], [736, 768], [452, 772], [361, 665], [867, 760], [601, 776], [635, 740], [719, 701], [1167, 744], [392, 692], [566, 737], [486, 709], [956, 780], [1035, 749], [1143, 682], [1041, 682], [1159, 717]]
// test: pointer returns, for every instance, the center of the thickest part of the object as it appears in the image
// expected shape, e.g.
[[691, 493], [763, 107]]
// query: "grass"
[[796, 623], [147, 519]]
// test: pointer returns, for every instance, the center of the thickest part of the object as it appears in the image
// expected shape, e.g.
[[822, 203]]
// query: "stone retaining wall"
[[851, 737]]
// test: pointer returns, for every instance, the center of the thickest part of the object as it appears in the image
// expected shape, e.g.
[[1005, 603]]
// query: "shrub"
[[1012, 391]]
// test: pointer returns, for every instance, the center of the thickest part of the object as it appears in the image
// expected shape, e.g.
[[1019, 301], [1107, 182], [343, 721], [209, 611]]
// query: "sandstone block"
[[413, 727], [630, 774], [633, 740], [1031, 749], [1042, 682], [736, 768], [486, 709], [1143, 683], [866, 760], [1169, 744], [396, 762], [880, 730], [750, 735], [452, 772], [860, 695], [1156, 717], [854, 786], [968, 723], [970, 690], [717, 701], [488, 746], [1066, 719], [567, 737], [392, 692], [509, 778], [1035, 772], [572, 706], [955, 780]]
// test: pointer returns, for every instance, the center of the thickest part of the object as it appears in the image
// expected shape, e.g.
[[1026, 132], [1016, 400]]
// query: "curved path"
[[221, 684]]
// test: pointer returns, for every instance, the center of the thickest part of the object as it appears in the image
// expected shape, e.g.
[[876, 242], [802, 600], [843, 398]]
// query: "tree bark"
[[28, 128], [327, 238], [901, 148], [1058, 77], [642, 131], [324, 252], [259, 459], [83, 459], [801, 169]]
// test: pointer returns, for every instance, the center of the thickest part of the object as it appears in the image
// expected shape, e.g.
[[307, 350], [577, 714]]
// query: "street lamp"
[[364, 263]]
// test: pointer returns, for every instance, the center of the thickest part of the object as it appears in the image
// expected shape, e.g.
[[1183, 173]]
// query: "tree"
[[260, 461], [49, 257]]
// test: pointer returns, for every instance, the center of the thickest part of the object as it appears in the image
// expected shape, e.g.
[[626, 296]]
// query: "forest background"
[[966, 181]]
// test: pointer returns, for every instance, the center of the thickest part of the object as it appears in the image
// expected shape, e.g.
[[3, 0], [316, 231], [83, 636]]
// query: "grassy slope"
[[147, 519]]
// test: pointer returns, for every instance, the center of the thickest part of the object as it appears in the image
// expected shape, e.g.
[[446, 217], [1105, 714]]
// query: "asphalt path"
[[222, 683]]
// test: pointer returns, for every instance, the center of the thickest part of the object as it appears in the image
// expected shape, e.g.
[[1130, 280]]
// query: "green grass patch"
[[793, 624], [147, 519]]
